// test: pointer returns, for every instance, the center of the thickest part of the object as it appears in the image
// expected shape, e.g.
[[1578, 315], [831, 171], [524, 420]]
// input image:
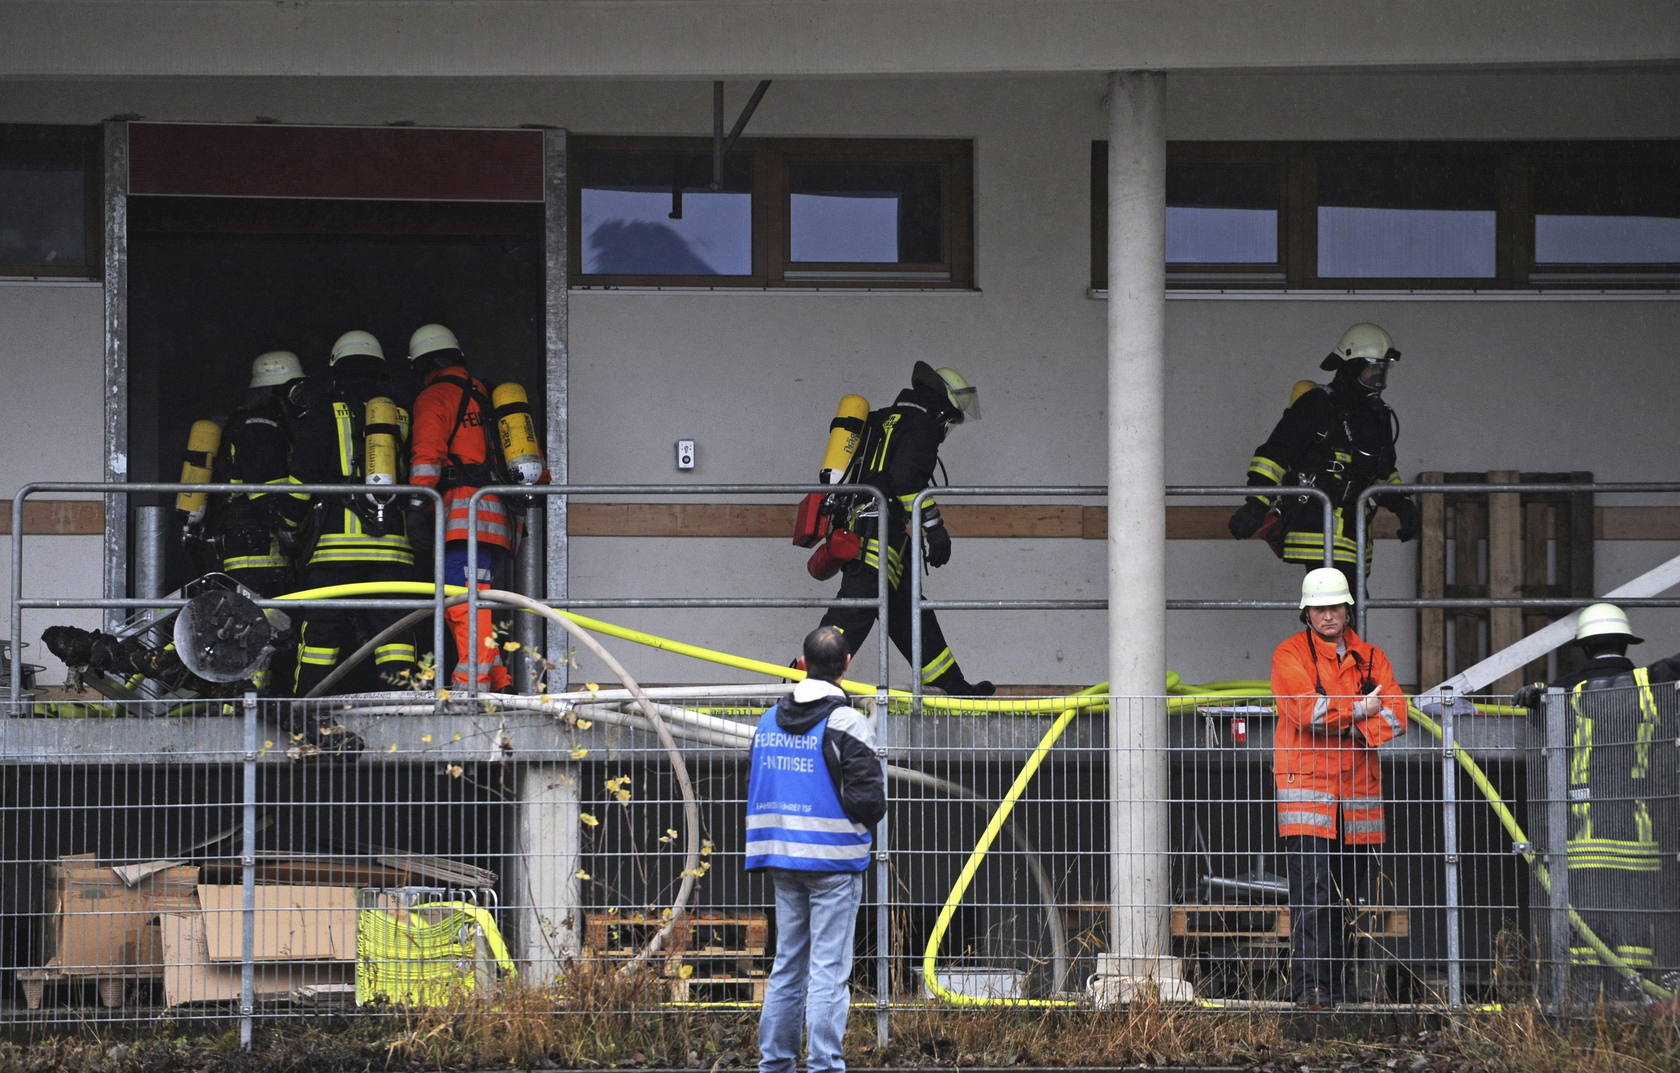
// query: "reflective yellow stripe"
[[1266, 469], [937, 666], [878, 461], [363, 555], [320, 657], [394, 653], [895, 560], [1647, 725], [254, 562]]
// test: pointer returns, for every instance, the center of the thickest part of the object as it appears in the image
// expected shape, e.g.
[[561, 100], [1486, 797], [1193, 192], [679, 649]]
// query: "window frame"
[[1515, 268], [59, 143], [772, 265]]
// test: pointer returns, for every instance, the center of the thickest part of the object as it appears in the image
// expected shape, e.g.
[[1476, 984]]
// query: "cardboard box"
[[291, 923], [190, 976], [104, 925]]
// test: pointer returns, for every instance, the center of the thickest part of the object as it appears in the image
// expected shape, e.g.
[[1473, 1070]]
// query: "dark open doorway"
[[246, 239], [212, 284]]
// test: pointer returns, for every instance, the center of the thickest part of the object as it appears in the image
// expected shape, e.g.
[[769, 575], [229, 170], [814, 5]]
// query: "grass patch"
[[598, 1020]]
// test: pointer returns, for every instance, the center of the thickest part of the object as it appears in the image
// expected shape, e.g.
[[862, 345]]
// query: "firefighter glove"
[[1248, 519], [1407, 513], [938, 545], [1529, 696]]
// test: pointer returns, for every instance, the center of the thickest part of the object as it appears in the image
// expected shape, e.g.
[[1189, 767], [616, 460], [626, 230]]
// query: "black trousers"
[[328, 635], [858, 581], [1325, 877], [1622, 907]]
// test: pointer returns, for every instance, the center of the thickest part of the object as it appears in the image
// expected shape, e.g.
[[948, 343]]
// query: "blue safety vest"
[[794, 818]]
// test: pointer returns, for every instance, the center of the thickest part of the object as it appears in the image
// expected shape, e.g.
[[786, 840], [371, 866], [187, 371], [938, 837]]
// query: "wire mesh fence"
[[381, 853]]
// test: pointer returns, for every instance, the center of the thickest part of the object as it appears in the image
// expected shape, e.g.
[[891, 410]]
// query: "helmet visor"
[[967, 400]]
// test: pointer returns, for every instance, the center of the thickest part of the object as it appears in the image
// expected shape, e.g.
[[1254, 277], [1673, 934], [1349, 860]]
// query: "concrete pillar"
[[1139, 883], [540, 891]]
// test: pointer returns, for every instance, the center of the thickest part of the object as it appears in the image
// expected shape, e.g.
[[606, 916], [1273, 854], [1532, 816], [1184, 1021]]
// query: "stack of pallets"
[[710, 955]]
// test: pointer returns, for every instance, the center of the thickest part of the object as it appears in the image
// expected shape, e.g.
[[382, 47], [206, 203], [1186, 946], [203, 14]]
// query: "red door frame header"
[[374, 163]]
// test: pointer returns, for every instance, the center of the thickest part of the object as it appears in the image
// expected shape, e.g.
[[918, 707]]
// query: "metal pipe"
[[149, 527], [717, 135], [528, 629], [248, 878], [116, 467], [1449, 852], [557, 395], [747, 111], [1555, 853]]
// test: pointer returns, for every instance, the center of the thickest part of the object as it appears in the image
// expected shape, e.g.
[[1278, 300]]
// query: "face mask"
[[1373, 376]]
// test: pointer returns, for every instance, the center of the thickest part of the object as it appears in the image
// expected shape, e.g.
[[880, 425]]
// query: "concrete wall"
[[53, 421], [752, 377]]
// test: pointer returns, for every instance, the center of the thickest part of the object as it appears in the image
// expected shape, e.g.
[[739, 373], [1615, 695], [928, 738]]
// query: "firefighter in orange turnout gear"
[[452, 450], [1337, 701]]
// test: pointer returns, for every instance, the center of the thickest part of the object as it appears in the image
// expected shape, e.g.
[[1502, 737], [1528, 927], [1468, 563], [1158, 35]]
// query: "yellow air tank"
[[1301, 388], [203, 440], [382, 438], [844, 432], [516, 432]]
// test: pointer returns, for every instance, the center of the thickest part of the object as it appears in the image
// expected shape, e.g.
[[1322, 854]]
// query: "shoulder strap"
[[472, 390]]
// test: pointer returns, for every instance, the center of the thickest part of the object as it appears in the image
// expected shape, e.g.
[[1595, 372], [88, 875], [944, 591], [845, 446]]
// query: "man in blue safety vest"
[[815, 791], [1621, 796]]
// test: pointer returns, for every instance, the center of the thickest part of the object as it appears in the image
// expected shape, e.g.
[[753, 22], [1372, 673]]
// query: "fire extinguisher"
[[841, 547]]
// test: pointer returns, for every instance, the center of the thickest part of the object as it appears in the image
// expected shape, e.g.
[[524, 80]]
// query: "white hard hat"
[[275, 367], [430, 337], [1325, 587], [1605, 621], [1366, 342], [356, 343]]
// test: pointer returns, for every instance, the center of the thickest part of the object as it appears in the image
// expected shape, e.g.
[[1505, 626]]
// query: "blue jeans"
[[816, 914]]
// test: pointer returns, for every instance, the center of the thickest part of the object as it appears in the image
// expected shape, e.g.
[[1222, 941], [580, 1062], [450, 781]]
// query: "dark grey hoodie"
[[848, 746]]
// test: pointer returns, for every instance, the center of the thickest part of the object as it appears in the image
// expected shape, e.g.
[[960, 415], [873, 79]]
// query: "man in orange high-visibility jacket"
[[451, 450], [1337, 701]]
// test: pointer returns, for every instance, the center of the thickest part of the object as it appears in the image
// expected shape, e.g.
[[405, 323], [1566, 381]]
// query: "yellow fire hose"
[[1181, 698]]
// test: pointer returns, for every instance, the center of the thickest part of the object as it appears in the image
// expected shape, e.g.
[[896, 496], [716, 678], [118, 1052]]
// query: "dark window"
[[866, 213], [789, 212], [656, 214], [50, 179], [1616, 205], [1412, 214], [1405, 214], [1223, 213]]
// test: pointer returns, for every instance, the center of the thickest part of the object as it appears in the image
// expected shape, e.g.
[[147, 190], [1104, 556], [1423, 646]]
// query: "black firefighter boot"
[[952, 684]]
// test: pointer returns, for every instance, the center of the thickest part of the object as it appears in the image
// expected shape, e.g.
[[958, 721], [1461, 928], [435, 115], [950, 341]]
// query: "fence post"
[[248, 869], [1449, 849], [1556, 855]]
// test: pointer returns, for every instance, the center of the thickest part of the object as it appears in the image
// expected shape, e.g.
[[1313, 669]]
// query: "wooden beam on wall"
[[58, 517], [67, 517]]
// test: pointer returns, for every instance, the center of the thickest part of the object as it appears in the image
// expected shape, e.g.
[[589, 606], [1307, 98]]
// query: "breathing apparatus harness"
[[460, 473], [1342, 480]]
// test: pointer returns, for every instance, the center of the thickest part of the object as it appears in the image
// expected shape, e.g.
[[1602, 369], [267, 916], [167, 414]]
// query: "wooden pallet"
[[1271, 923], [714, 945], [113, 987], [719, 989], [1526, 544]]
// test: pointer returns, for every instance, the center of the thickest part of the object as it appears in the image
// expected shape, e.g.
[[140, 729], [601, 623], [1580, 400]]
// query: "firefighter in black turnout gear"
[[255, 531], [1622, 804], [356, 538], [1339, 438], [898, 453]]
